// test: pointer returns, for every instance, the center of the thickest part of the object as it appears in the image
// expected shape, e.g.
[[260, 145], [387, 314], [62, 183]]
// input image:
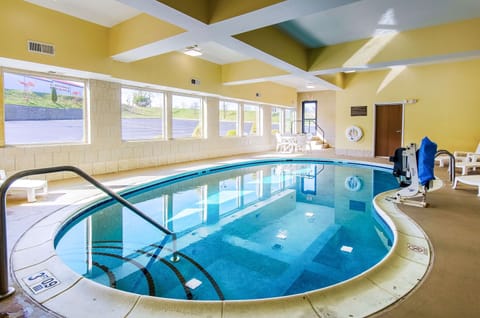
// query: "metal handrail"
[[452, 162], [5, 290], [317, 128]]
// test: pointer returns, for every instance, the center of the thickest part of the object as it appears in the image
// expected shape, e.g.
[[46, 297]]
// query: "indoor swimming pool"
[[256, 230]]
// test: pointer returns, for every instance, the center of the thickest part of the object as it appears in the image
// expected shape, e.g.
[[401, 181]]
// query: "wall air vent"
[[42, 48]]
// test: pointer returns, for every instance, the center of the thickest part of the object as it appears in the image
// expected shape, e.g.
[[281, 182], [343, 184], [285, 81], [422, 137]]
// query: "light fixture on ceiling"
[[192, 51], [310, 85]]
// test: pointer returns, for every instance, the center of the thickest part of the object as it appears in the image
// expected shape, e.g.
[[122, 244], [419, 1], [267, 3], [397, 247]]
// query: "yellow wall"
[[442, 40], [78, 44], [447, 110], [85, 47], [270, 93], [2, 113], [247, 70], [139, 30], [276, 43]]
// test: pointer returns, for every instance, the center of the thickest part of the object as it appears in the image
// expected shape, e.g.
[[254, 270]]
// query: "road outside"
[[68, 131]]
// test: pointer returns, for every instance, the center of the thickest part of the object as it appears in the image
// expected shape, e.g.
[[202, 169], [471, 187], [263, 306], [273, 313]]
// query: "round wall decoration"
[[354, 133]]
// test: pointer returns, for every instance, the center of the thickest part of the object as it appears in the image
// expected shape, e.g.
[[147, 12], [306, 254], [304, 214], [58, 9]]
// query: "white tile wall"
[[107, 153]]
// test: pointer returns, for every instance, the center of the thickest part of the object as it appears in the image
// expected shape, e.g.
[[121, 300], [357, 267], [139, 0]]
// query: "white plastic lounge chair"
[[472, 161], [29, 186], [473, 180], [460, 156]]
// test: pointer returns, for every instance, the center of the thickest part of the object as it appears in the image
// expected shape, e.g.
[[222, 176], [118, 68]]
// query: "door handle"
[[398, 131]]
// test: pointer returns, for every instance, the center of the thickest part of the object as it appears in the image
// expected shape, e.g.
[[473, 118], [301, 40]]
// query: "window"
[[251, 115], [290, 126], [228, 116], [142, 114], [42, 110], [186, 117], [309, 117], [276, 120]]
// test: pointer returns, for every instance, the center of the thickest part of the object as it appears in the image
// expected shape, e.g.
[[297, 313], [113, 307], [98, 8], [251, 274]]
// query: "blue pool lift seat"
[[415, 172]]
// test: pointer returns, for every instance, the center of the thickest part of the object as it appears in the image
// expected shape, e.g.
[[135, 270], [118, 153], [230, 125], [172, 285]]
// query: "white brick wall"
[[107, 153]]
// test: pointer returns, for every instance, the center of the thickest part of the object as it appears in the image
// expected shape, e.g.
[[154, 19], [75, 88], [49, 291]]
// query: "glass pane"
[[309, 117], [250, 120], [43, 109], [228, 116], [290, 121], [276, 116], [142, 114], [186, 117]]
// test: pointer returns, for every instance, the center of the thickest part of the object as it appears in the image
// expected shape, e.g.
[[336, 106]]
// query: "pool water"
[[258, 231]]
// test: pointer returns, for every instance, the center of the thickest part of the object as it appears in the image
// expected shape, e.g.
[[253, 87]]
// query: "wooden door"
[[388, 129]]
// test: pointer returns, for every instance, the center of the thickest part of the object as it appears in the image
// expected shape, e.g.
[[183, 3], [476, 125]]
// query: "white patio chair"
[[282, 144], [460, 156]]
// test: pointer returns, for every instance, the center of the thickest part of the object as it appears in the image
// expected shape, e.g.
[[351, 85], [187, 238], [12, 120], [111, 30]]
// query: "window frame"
[[237, 118], [201, 119], [258, 120], [85, 139], [163, 134]]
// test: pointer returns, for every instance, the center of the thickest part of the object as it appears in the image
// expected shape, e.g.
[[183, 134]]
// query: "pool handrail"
[[5, 290]]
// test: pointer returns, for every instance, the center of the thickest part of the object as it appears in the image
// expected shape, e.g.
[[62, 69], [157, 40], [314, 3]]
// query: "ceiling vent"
[[42, 48]]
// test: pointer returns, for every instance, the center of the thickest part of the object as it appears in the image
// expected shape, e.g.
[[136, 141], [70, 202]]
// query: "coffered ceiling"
[[279, 33]]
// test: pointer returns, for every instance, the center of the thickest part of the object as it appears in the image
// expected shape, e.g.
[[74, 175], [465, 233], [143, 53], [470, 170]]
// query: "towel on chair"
[[426, 161]]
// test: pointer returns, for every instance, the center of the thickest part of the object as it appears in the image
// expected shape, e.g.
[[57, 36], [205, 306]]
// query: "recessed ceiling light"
[[192, 51]]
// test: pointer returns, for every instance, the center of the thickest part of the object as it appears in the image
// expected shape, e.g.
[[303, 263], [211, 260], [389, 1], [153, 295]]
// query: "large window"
[[43, 109], [276, 120], [290, 125], [186, 117], [142, 114], [251, 116], [228, 117], [309, 117]]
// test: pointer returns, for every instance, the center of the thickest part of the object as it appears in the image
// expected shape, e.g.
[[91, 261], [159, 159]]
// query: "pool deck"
[[450, 288]]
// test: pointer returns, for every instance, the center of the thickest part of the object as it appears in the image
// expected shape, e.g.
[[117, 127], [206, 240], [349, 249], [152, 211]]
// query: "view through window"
[[251, 114], [228, 116], [42, 110], [186, 117], [142, 114]]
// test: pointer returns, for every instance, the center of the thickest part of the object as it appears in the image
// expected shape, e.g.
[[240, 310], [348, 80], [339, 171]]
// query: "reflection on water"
[[255, 232]]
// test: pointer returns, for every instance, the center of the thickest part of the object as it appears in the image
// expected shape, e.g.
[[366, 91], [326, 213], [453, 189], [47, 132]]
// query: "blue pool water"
[[264, 229]]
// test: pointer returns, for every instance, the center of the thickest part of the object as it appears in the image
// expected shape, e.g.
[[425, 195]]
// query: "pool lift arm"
[[414, 191]]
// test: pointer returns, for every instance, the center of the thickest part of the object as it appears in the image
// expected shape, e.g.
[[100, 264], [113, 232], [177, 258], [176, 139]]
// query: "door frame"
[[375, 122], [303, 113]]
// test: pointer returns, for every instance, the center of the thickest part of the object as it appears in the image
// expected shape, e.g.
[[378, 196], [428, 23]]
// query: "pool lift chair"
[[415, 178]]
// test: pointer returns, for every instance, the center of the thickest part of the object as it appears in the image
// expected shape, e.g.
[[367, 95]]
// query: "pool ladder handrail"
[[5, 290], [451, 168]]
